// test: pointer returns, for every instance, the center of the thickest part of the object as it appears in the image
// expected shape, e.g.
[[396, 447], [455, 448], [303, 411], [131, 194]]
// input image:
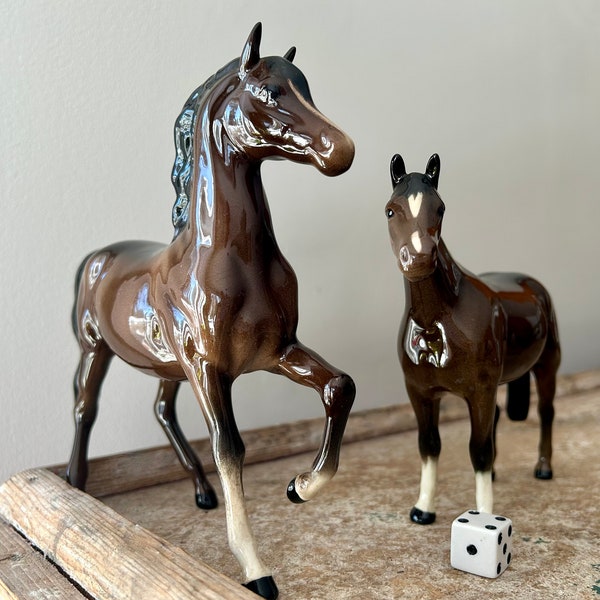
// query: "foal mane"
[[184, 132]]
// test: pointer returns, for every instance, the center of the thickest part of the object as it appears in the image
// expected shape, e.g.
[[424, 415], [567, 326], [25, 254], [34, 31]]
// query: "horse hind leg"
[[92, 368], [164, 408], [545, 376], [518, 398], [545, 371]]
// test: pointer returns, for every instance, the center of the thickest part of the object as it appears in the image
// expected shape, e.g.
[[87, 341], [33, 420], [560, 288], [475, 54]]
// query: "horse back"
[[114, 305]]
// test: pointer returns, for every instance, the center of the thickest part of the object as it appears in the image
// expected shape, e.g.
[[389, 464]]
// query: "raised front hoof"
[[292, 494], [543, 473], [421, 517], [207, 500], [265, 587]]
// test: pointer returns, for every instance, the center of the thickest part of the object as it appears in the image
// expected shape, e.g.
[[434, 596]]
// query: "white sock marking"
[[426, 501]]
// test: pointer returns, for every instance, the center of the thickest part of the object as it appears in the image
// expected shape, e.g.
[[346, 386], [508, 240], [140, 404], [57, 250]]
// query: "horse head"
[[415, 212], [271, 114]]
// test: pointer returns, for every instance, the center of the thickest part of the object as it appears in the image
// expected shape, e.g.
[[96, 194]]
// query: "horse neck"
[[228, 204], [428, 299]]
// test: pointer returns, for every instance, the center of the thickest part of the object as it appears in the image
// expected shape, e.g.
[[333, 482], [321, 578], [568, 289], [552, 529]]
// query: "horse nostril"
[[405, 258]]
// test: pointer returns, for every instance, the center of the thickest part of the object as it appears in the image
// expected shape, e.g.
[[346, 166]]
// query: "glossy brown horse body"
[[220, 300], [465, 335]]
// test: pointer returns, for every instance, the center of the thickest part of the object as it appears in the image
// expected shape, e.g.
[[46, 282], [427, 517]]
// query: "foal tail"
[[517, 398]]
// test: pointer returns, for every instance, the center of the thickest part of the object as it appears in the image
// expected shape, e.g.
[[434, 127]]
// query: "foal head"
[[272, 114], [415, 212]]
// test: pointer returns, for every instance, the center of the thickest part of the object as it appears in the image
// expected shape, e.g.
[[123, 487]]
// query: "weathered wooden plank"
[[108, 556], [143, 468], [26, 574]]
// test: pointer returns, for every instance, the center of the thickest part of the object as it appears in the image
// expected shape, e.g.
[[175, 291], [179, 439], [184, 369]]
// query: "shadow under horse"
[[220, 300], [465, 335]]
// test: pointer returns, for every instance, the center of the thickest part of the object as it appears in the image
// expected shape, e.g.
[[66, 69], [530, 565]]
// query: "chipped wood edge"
[[133, 470], [107, 555]]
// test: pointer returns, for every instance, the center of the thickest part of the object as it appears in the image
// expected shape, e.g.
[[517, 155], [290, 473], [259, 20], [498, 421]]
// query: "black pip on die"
[[481, 543]]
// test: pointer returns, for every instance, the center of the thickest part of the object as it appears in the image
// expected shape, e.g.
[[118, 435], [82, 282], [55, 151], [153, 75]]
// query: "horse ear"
[[289, 55], [251, 52], [433, 170], [397, 169]]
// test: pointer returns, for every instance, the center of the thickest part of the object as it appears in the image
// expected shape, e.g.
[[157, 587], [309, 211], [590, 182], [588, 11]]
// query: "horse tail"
[[517, 398], [78, 277]]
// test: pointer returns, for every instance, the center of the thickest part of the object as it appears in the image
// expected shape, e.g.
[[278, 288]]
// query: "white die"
[[481, 543]]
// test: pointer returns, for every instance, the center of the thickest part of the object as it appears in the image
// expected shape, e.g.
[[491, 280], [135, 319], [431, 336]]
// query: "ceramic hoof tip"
[[207, 500], [265, 587], [543, 473], [421, 517], [292, 494]]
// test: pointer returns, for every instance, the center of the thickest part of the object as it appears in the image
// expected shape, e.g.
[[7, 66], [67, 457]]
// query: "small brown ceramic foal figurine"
[[465, 335], [220, 300]]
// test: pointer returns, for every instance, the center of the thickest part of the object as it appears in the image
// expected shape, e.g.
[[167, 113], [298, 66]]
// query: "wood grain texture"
[[26, 574], [153, 466], [108, 556]]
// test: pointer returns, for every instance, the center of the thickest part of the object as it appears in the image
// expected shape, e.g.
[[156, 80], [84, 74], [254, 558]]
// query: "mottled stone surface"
[[355, 541]]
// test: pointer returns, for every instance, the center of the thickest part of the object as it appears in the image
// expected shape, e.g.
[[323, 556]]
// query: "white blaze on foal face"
[[414, 203]]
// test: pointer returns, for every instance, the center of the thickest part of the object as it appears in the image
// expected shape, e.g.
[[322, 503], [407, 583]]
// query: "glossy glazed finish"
[[466, 335], [220, 300]]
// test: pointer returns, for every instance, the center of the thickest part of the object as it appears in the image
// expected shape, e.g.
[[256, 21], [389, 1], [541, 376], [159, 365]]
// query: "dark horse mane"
[[184, 131]]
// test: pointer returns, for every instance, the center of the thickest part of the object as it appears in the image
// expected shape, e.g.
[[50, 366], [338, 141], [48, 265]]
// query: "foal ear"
[[251, 52], [289, 55], [397, 169], [433, 170]]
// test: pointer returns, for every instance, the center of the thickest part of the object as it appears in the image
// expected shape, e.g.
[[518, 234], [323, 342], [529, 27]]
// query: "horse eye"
[[269, 95], [389, 213]]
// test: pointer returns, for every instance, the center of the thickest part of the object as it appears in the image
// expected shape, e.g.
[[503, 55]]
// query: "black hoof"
[[265, 587], [543, 473], [207, 500], [292, 494], [421, 517]]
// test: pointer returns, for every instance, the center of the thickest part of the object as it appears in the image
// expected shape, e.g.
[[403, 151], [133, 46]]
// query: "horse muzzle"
[[416, 266], [333, 153]]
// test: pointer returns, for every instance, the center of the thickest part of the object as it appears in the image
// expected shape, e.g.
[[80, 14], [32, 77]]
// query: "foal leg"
[[483, 410], [213, 390], [92, 368], [545, 377], [427, 411], [164, 408], [337, 392]]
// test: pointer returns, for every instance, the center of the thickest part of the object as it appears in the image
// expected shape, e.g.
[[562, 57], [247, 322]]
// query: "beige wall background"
[[507, 93]]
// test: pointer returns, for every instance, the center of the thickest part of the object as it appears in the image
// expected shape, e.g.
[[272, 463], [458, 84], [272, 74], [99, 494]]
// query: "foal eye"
[[389, 213]]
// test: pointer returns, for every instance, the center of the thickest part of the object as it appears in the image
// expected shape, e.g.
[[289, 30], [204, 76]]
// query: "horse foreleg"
[[164, 408], [427, 411], [337, 392], [92, 368], [213, 390], [482, 411]]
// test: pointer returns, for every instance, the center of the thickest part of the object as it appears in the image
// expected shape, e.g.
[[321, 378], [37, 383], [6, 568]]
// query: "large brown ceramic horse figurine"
[[220, 300], [465, 335]]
